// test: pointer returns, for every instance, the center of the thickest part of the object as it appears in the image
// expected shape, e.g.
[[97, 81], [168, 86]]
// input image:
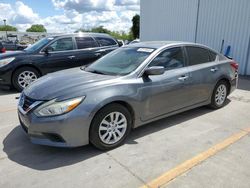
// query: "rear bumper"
[[234, 84]]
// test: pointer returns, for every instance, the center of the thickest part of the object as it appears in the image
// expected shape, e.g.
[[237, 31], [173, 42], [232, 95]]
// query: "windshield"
[[39, 44], [121, 61]]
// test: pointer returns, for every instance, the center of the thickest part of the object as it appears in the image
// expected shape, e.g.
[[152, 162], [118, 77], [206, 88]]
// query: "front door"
[[167, 92], [61, 55]]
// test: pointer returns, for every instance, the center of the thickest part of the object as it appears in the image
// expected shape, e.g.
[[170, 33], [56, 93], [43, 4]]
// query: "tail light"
[[3, 50], [234, 65]]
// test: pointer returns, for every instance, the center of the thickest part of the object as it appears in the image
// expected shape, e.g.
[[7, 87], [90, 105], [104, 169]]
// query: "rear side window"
[[106, 41], [213, 56], [169, 59], [197, 55], [85, 42]]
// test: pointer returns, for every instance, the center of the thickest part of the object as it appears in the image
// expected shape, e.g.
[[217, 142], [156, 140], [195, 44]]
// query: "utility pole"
[[5, 29]]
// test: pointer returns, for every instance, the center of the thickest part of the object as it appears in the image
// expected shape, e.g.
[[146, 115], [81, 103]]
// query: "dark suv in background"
[[51, 54]]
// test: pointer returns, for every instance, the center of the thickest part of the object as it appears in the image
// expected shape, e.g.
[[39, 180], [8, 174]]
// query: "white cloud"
[[23, 14], [112, 14]]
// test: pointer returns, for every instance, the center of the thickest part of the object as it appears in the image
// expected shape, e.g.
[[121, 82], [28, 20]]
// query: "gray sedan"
[[127, 88]]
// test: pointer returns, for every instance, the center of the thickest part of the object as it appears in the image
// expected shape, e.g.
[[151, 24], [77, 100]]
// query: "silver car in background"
[[131, 86]]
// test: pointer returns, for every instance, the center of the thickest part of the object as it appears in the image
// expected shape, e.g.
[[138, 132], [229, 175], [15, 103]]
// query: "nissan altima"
[[129, 87]]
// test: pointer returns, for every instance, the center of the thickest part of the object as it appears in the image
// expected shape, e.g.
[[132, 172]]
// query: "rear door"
[[203, 73], [87, 50], [167, 92], [107, 44]]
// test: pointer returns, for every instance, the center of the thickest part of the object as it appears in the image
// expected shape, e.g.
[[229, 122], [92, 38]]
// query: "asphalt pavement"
[[150, 154]]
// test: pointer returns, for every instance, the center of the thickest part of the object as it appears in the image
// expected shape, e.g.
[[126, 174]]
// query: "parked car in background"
[[13, 45], [135, 41], [2, 48], [131, 86], [51, 54]]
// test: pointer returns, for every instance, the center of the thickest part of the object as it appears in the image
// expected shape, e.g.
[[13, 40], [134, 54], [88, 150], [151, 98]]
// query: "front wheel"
[[23, 77], [110, 127], [219, 96]]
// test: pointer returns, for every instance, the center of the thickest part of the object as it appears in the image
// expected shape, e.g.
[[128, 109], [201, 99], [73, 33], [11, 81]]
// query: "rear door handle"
[[183, 78], [71, 57], [98, 54], [214, 69]]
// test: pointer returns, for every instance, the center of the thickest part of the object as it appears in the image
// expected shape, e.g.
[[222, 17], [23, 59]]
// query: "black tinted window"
[[170, 59], [105, 41], [212, 56], [197, 55], [61, 45], [85, 42]]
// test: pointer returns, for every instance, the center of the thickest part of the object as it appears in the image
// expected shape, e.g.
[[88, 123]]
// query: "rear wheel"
[[219, 96], [110, 127], [23, 77]]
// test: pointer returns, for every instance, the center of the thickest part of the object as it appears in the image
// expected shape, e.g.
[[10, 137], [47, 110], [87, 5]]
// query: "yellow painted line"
[[187, 165], [8, 110]]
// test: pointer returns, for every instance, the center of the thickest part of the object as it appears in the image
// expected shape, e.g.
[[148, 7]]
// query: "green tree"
[[100, 29], [36, 28], [135, 29], [7, 28], [118, 35]]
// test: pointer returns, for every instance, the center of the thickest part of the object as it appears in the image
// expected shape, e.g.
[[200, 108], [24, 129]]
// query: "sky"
[[69, 15]]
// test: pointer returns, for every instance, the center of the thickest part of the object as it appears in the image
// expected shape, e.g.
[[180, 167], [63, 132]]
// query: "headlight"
[[6, 61], [53, 108]]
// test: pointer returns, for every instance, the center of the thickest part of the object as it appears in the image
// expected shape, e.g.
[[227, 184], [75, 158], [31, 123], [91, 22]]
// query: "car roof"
[[160, 44], [82, 34]]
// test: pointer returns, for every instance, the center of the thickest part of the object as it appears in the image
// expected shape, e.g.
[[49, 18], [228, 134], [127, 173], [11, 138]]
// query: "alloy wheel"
[[221, 94], [26, 78], [112, 128]]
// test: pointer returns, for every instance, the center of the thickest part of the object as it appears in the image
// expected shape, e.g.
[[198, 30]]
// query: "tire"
[[31, 73], [218, 99], [99, 129]]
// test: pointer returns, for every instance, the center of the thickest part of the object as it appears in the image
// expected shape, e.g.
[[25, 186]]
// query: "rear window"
[[106, 41], [85, 42], [197, 55]]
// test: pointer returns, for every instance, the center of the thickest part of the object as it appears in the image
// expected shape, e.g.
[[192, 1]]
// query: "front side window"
[[39, 44], [106, 41], [62, 44], [85, 42], [197, 55], [169, 59]]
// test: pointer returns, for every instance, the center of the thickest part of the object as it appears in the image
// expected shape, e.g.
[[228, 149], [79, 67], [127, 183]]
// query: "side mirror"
[[155, 70], [48, 49], [120, 43]]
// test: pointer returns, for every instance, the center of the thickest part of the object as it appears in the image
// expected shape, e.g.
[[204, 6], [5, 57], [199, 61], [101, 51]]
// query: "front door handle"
[[183, 78], [71, 57], [214, 69]]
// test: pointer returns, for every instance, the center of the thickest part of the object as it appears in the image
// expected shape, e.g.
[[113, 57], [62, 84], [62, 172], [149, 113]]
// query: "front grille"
[[27, 103]]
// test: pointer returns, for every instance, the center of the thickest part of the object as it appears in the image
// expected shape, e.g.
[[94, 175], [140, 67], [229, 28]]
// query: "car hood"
[[11, 54], [67, 84]]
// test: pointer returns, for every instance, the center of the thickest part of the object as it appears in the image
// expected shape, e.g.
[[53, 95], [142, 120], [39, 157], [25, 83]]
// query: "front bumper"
[[68, 130], [5, 76]]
